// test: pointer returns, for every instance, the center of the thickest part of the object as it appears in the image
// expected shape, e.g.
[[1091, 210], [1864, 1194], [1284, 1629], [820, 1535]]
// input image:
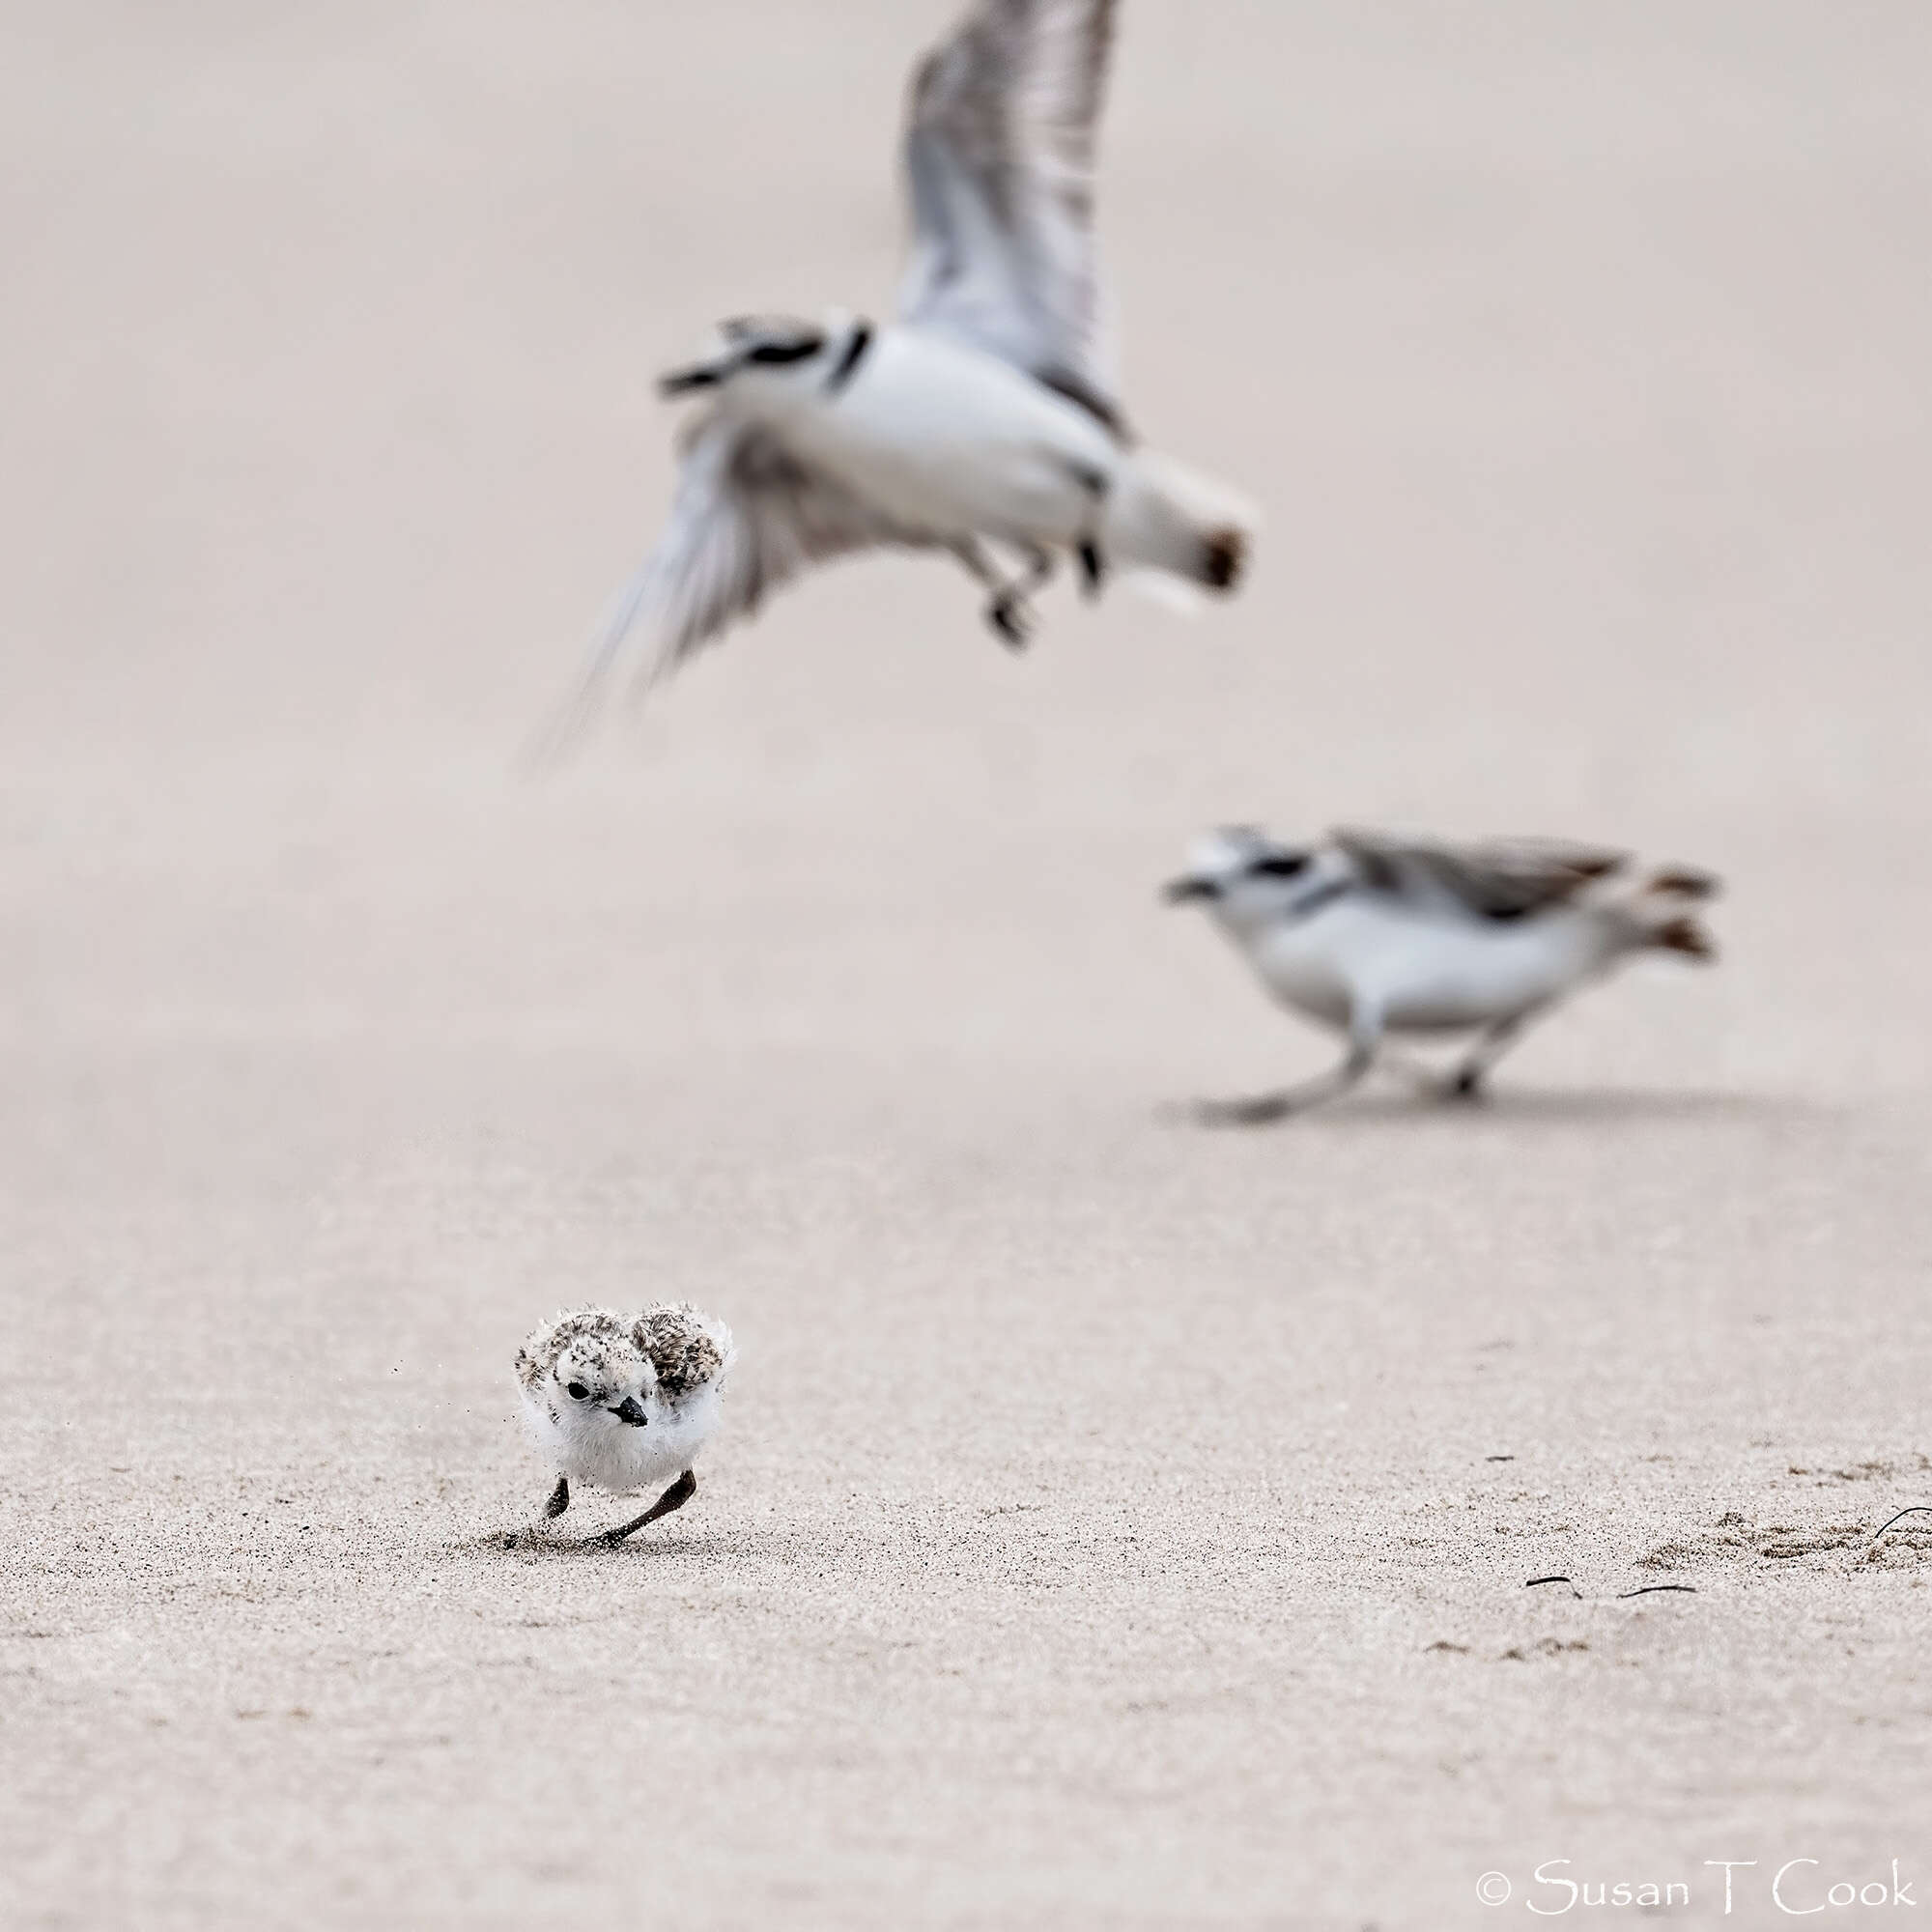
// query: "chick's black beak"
[[1177, 892], [631, 1410]]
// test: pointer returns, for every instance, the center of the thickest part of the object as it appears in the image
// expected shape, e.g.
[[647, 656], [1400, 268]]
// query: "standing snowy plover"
[[1372, 935], [624, 1402], [983, 416]]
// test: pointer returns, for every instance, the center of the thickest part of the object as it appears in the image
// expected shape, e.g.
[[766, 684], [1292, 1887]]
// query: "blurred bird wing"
[[999, 157], [1500, 878], [746, 517]]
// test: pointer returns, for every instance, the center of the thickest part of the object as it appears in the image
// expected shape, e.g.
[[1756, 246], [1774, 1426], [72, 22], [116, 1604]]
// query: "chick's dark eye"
[[576, 1389], [1278, 866]]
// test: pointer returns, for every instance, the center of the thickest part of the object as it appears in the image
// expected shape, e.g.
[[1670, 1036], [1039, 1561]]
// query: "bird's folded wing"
[[999, 157], [1500, 878], [747, 517], [686, 1347]]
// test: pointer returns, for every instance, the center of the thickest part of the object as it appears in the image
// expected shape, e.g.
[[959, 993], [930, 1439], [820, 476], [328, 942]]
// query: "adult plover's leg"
[[1008, 612], [1261, 1110], [1092, 563], [559, 1498], [1466, 1078], [677, 1496], [1417, 1072], [1041, 566]]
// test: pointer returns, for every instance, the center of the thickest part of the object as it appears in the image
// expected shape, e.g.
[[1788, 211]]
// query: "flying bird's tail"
[[1163, 517]]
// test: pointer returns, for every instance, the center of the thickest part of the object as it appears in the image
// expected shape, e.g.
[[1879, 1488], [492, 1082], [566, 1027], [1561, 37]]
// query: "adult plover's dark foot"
[[1092, 566], [559, 1498], [1256, 1110], [1011, 622], [1466, 1085], [675, 1497]]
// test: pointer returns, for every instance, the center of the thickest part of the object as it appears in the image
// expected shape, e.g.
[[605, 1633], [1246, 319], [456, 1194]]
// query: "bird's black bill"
[[1177, 892], [630, 1410], [781, 352], [681, 382]]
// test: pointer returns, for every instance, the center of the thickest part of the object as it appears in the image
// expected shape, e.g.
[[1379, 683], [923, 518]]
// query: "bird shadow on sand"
[[1512, 1107]]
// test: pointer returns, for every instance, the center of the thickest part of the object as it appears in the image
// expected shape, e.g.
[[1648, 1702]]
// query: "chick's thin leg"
[[560, 1499], [675, 1497]]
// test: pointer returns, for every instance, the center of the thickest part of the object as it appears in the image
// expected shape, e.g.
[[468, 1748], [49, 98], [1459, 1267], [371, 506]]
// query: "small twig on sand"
[[1648, 1590], [1916, 1509]]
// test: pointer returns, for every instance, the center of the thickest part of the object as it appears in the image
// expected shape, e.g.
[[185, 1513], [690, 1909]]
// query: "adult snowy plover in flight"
[[624, 1402], [1372, 935], [983, 416]]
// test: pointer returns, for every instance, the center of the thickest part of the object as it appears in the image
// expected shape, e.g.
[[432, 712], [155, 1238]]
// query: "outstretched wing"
[[999, 156], [1498, 878], [747, 517]]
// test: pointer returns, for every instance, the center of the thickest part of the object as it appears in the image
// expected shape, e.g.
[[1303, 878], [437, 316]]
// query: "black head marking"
[[859, 341], [795, 351], [1278, 866]]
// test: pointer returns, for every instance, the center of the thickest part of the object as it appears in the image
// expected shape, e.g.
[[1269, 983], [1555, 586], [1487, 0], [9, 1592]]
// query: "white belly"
[[623, 1460], [1425, 974], [954, 440]]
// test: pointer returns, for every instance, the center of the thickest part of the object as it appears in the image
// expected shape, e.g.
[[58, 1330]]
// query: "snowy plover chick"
[[624, 1402], [983, 416], [1372, 935]]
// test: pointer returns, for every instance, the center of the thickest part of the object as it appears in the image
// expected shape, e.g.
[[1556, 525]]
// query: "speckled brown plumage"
[[672, 1335], [538, 1355]]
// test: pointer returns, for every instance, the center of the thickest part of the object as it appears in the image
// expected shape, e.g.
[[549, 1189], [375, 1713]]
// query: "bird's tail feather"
[[1684, 935], [1657, 919], [1162, 516]]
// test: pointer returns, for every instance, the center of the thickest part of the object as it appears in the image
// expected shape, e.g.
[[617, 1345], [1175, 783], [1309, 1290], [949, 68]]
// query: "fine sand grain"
[[1117, 1524]]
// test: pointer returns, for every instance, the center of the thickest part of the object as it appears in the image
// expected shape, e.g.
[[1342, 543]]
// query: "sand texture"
[[1117, 1524]]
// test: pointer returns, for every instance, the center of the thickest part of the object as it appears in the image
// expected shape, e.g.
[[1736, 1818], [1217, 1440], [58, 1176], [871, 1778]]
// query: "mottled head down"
[[590, 1359]]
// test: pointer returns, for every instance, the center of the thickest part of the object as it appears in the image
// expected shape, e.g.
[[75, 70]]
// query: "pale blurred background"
[[1085, 1518]]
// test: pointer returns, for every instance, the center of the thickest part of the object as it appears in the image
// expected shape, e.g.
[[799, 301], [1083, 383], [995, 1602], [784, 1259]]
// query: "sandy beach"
[[1119, 1524]]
